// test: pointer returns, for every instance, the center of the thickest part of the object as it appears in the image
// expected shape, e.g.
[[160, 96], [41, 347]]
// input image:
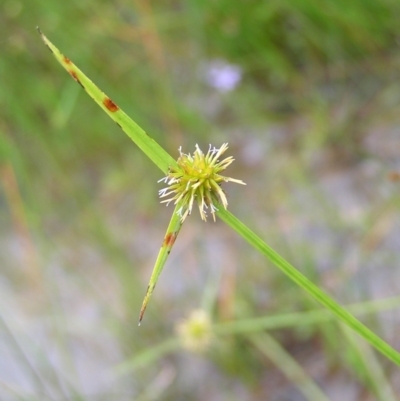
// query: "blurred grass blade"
[[148, 356], [293, 370], [295, 319], [148, 145], [308, 286], [369, 366]]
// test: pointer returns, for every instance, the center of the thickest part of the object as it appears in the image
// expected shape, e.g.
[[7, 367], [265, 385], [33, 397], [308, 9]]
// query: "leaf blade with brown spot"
[[173, 229], [150, 147]]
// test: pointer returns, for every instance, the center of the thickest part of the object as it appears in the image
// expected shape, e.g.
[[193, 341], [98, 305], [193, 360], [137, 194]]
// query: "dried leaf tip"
[[197, 177]]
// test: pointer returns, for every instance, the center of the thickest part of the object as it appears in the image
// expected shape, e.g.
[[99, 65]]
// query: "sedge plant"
[[196, 177]]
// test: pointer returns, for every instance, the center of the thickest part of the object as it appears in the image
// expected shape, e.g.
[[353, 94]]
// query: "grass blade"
[[293, 370], [148, 145], [173, 229], [308, 286]]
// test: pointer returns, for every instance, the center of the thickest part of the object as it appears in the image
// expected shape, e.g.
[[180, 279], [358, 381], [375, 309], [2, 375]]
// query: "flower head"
[[196, 177], [195, 332]]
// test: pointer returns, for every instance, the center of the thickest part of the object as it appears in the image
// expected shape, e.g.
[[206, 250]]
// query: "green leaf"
[[173, 229], [148, 145]]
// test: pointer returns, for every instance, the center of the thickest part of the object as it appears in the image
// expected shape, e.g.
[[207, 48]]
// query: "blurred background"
[[306, 93]]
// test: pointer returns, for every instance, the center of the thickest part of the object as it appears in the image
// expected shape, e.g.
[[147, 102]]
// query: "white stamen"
[[167, 201], [166, 194], [162, 192], [213, 208], [173, 180]]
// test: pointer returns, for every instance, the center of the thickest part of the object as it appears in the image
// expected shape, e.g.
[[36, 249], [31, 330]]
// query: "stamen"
[[163, 192]]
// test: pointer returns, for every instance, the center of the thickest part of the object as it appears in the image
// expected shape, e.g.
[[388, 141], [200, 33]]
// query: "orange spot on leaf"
[[75, 76], [110, 105], [67, 60], [169, 239]]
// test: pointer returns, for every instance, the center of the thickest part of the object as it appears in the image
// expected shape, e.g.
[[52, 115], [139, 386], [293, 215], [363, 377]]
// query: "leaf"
[[173, 229], [148, 145]]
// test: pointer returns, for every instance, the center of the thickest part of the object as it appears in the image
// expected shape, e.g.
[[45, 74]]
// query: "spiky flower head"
[[197, 177]]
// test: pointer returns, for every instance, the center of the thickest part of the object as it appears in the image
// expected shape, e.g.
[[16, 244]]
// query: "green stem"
[[308, 286]]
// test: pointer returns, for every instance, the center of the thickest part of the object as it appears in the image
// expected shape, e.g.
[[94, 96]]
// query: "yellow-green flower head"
[[195, 332], [197, 178]]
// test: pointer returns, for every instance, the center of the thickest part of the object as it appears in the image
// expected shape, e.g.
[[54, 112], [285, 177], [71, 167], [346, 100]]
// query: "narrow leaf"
[[173, 229], [148, 145]]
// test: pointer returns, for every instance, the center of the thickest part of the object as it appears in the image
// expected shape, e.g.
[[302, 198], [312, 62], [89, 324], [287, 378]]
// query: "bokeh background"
[[306, 92]]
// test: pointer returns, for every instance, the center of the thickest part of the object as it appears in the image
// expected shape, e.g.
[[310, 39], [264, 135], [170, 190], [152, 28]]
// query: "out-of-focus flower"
[[196, 331], [223, 76]]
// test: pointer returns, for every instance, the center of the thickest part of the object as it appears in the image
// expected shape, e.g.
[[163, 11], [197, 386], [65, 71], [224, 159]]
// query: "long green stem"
[[307, 285]]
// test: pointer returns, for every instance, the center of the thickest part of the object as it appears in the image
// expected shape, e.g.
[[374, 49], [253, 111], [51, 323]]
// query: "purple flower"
[[223, 76]]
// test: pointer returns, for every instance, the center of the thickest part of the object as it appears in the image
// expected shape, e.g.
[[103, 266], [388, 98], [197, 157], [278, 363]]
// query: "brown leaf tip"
[[141, 315]]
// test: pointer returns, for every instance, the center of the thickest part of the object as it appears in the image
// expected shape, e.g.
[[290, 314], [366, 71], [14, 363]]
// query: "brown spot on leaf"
[[67, 60], [169, 239], [75, 76], [110, 105]]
